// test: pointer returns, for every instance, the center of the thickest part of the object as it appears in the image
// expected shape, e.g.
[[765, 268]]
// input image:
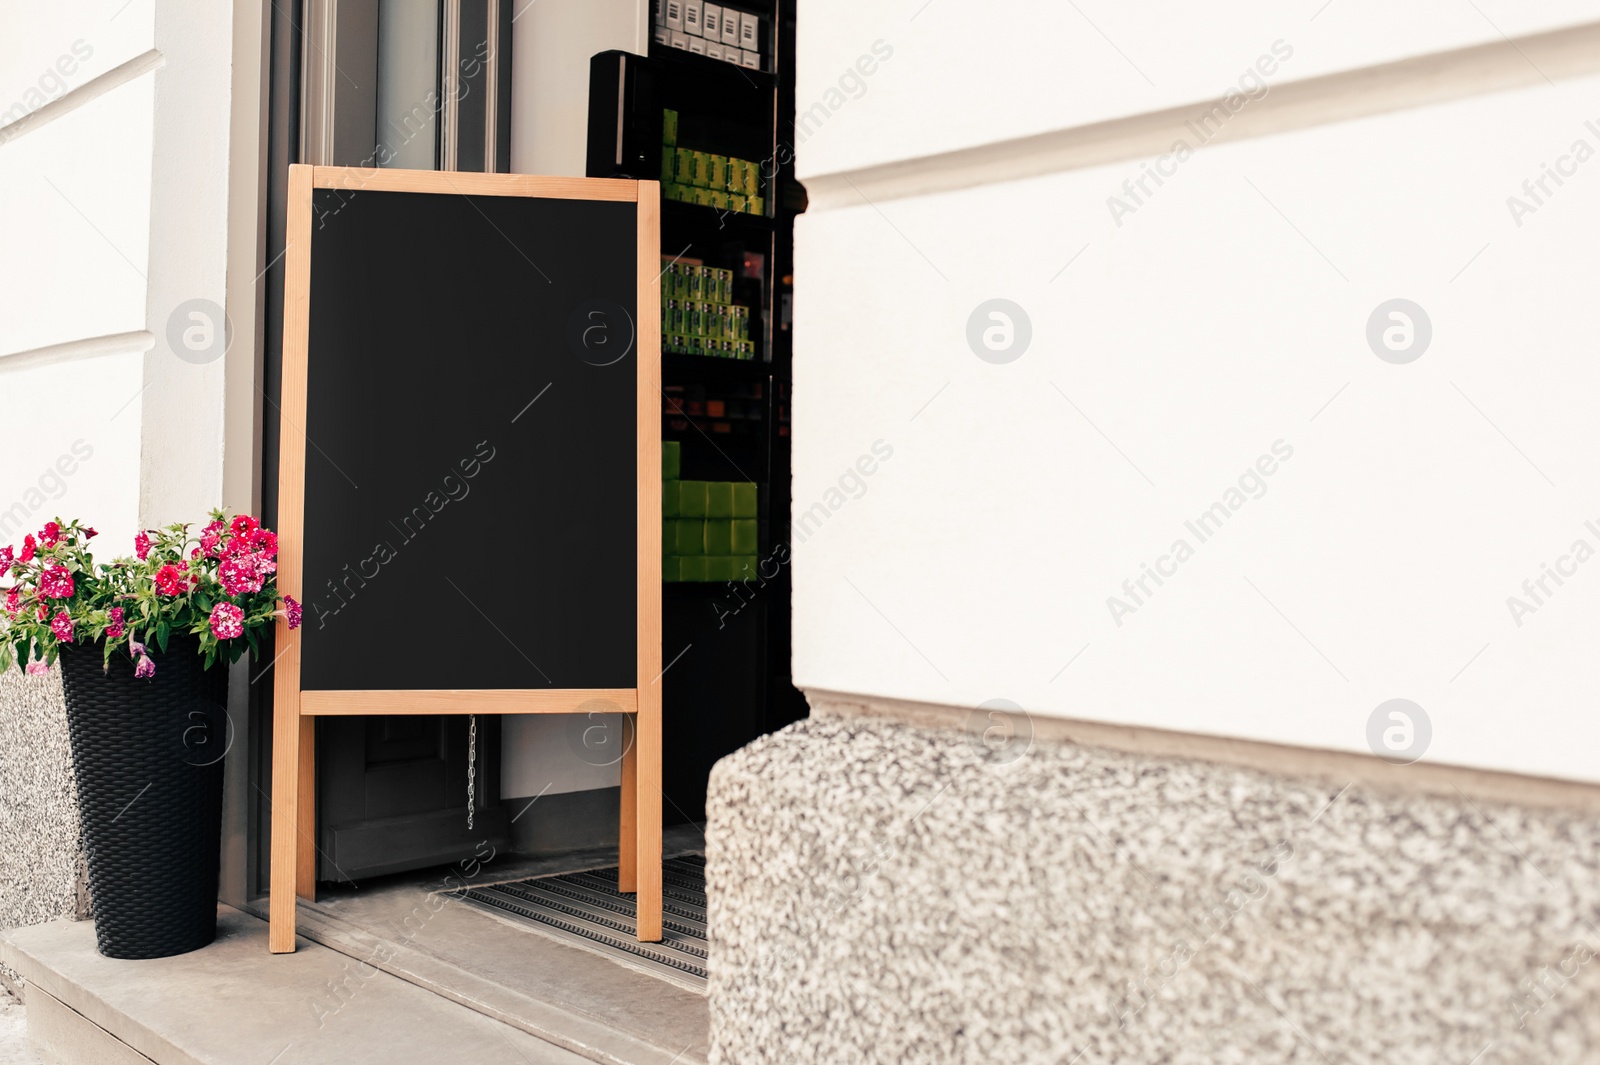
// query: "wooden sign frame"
[[293, 870]]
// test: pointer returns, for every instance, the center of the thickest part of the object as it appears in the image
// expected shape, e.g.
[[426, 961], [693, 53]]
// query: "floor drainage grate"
[[588, 908]]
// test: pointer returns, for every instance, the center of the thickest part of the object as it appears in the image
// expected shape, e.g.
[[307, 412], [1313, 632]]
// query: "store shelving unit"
[[732, 683]]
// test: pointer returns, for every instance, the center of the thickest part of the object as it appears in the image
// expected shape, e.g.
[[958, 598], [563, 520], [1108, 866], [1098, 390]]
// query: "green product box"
[[745, 349], [669, 500], [671, 459], [692, 568], [669, 160], [719, 536], [671, 317], [744, 499], [739, 202], [683, 166], [752, 180], [758, 205], [714, 320], [692, 499], [694, 280], [694, 319], [670, 568], [719, 503], [683, 193], [736, 168], [724, 284], [743, 536], [745, 568], [717, 171], [719, 568], [702, 170], [669, 126], [730, 324], [688, 536], [719, 199], [741, 322], [702, 196]]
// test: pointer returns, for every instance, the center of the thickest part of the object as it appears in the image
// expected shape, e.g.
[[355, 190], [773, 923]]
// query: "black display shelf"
[[715, 218], [677, 369], [704, 68]]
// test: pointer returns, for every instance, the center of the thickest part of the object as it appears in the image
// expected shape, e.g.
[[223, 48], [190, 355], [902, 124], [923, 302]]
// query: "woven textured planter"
[[148, 759]]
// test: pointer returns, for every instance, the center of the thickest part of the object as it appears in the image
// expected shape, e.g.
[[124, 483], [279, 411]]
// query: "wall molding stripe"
[[1337, 767], [1419, 81], [93, 89], [135, 343]]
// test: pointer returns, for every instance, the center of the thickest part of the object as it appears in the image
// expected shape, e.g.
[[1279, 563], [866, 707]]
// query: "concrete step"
[[234, 1003]]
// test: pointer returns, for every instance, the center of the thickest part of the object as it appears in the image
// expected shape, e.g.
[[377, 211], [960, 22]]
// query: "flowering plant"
[[218, 585]]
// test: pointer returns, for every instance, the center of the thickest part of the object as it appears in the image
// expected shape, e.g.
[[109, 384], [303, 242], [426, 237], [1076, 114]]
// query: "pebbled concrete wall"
[[882, 892], [42, 872]]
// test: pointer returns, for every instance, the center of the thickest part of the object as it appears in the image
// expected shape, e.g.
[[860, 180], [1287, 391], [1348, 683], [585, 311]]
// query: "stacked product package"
[[698, 315], [721, 181], [714, 30], [708, 528]]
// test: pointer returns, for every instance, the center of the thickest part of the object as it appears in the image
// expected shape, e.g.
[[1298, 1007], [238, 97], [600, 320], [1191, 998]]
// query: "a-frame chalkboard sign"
[[470, 474]]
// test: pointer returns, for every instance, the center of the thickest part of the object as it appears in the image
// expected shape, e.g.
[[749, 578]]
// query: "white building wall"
[[1208, 323], [114, 143]]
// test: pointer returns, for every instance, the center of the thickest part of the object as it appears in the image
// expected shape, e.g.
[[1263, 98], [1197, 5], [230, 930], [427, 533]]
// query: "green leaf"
[[162, 630], [255, 648], [5, 657], [211, 656], [22, 652]]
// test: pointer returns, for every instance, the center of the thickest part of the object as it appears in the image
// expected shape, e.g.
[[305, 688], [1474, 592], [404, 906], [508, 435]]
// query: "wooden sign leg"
[[647, 791], [287, 743], [628, 821]]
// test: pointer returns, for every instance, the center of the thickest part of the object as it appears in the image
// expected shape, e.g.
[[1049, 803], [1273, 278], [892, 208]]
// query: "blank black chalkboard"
[[470, 506]]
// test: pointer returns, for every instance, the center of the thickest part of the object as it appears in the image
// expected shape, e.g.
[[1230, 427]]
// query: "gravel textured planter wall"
[[881, 892], [42, 872]]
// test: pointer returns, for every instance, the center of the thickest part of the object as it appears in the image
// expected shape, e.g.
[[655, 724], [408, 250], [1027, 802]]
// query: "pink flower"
[[243, 524], [115, 630], [239, 575], [169, 580], [89, 533], [13, 601], [50, 534], [56, 583], [144, 668], [27, 549], [141, 546], [61, 625], [38, 669], [7, 556], [292, 610], [135, 647], [264, 541], [227, 621], [44, 611]]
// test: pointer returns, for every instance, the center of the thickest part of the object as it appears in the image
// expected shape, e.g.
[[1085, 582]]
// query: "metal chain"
[[472, 767]]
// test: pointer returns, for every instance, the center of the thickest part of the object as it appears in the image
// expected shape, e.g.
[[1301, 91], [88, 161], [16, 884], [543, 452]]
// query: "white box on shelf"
[[711, 23], [680, 40], [692, 10], [713, 50], [697, 45], [674, 16], [663, 35], [749, 59], [730, 26], [749, 31]]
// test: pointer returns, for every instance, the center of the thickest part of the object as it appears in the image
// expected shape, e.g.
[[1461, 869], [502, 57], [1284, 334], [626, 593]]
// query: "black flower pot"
[[148, 759]]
